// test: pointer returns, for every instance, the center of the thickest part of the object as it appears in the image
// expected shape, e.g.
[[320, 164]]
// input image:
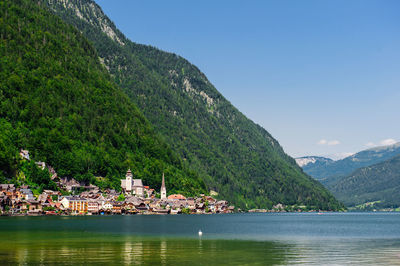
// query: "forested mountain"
[[329, 172], [379, 182], [233, 155], [59, 102]]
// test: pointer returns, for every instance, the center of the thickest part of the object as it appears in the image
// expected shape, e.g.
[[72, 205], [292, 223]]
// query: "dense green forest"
[[60, 103], [233, 155], [378, 183]]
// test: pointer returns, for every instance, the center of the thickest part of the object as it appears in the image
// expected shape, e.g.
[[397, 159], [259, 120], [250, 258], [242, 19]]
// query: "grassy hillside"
[[379, 182], [233, 155], [59, 102]]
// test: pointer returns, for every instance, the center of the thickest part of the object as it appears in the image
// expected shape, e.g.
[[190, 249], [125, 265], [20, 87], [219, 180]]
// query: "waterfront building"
[[93, 206], [75, 204], [107, 206]]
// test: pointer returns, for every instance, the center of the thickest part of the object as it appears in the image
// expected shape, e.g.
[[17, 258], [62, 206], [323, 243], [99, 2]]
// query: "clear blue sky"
[[323, 77]]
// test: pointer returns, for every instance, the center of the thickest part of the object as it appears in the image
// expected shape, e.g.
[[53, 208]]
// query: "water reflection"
[[233, 240], [130, 251], [163, 252]]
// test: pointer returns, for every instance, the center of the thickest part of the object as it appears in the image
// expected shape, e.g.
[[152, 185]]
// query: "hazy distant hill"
[[233, 155], [379, 182], [329, 171]]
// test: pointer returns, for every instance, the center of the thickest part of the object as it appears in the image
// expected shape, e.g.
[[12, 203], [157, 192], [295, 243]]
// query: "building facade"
[[132, 186]]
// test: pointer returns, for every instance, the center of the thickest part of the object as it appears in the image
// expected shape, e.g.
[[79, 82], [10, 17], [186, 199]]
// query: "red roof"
[[176, 196]]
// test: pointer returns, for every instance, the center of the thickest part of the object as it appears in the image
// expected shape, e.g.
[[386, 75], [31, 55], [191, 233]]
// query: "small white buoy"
[[200, 233]]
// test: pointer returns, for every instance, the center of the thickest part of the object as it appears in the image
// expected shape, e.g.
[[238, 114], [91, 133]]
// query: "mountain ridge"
[[331, 171], [378, 183], [233, 155]]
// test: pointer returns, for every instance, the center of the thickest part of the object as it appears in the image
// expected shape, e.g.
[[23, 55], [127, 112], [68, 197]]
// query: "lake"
[[234, 239]]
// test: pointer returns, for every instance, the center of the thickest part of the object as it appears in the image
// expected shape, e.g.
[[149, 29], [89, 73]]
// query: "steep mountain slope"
[[379, 182], [233, 155], [59, 102], [331, 171]]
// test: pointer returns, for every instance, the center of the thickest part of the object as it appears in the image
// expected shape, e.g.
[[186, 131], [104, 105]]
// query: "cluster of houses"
[[134, 199], [14, 201], [21, 201]]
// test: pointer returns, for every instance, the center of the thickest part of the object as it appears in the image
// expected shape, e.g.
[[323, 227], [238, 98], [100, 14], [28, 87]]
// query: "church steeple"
[[128, 180], [163, 191]]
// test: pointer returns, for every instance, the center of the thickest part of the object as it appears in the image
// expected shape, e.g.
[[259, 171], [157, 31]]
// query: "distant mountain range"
[[327, 170], [367, 176], [313, 161]]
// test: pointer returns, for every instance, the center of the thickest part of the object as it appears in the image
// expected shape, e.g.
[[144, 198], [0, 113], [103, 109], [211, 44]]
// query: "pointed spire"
[[163, 191], [163, 181]]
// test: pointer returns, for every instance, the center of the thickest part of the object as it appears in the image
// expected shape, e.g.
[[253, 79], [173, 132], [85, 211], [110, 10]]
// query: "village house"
[[93, 206], [176, 197], [34, 205], [27, 194], [117, 207], [138, 199], [75, 204], [149, 192], [107, 206], [24, 154], [41, 165]]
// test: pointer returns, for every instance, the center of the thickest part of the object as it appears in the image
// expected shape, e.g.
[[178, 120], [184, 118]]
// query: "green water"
[[239, 239]]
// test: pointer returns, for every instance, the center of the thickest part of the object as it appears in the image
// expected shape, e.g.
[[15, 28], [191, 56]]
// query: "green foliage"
[[233, 155], [378, 184], [35, 177], [121, 197], [49, 208], [185, 211], [57, 101]]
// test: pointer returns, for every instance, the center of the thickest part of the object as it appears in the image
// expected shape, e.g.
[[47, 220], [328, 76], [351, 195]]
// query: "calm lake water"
[[234, 239]]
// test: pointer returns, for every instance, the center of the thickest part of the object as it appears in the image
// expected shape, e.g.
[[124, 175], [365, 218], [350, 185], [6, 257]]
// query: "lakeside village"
[[134, 199]]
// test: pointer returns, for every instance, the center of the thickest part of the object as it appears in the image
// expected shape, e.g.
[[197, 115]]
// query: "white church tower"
[[128, 181], [163, 191]]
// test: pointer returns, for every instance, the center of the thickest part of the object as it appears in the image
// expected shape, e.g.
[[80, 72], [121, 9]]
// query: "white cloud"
[[386, 142], [370, 144], [328, 142], [333, 142]]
